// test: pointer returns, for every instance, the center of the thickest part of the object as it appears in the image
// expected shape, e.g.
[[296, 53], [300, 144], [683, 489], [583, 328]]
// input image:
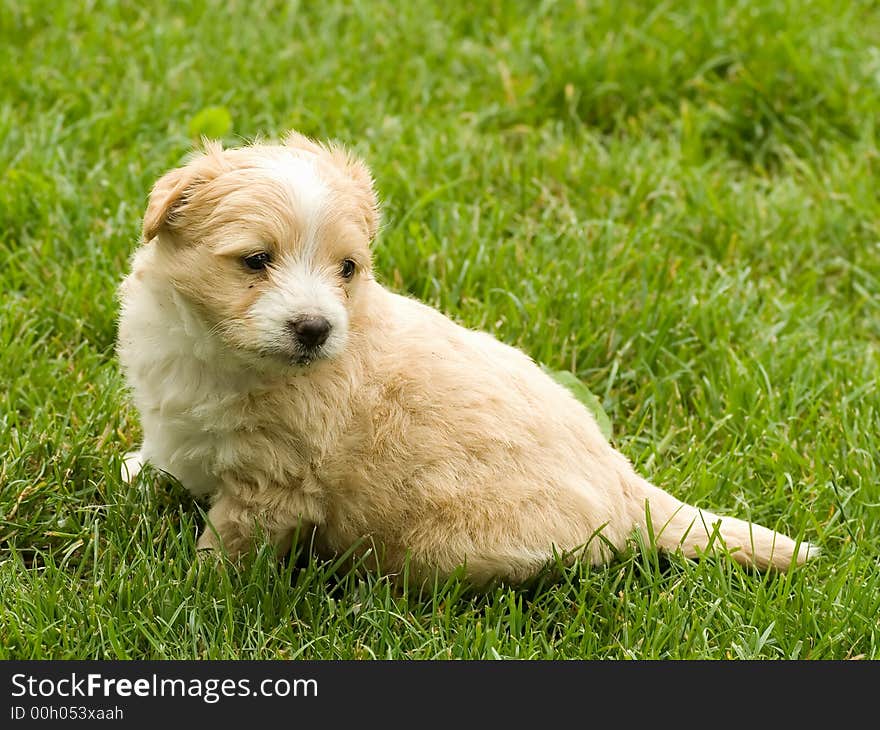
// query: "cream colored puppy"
[[275, 375]]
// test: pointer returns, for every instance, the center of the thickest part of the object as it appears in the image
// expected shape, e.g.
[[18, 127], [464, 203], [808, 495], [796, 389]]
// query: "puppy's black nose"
[[311, 331]]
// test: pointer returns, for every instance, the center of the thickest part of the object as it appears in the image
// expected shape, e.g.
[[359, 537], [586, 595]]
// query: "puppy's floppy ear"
[[166, 194], [174, 187], [352, 168]]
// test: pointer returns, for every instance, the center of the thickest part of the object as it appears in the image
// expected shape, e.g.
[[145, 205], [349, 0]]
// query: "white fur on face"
[[299, 290], [310, 196], [300, 287]]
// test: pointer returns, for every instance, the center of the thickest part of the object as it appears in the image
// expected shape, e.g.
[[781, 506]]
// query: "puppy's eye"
[[348, 268], [257, 261]]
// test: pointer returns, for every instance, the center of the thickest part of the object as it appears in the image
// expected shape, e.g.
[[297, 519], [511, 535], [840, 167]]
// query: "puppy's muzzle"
[[311, 331]]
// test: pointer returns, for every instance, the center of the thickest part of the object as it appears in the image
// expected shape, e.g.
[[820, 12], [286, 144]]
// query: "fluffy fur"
[[439, 445]]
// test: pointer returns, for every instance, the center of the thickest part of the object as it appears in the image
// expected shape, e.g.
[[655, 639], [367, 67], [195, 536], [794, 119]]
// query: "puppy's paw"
[[209, 541], [212, 546], [209, 550], [131, 466], [210, 556]]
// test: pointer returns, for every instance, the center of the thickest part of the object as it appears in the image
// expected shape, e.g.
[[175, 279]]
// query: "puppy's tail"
[[676, 526]]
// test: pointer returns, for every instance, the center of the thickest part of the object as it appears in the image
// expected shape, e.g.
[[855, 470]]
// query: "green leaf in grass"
[[213, 122], [585, 396]]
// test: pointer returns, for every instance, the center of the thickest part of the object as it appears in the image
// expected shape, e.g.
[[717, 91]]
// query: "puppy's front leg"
[[232, 526]]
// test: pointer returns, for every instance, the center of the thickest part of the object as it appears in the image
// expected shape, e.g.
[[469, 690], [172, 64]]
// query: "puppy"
[[276, 376]]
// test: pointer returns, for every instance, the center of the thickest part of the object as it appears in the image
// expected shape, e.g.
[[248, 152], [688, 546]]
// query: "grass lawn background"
[[676, 202]]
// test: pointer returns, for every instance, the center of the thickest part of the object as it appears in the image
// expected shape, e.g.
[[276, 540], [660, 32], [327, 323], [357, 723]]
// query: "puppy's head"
[[270, 243]]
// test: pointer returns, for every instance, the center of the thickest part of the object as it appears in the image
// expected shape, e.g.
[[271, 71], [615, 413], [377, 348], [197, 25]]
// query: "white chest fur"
[[196, 402]]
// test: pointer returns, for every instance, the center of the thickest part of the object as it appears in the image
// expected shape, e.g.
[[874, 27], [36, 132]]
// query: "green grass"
[[676, 202]]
